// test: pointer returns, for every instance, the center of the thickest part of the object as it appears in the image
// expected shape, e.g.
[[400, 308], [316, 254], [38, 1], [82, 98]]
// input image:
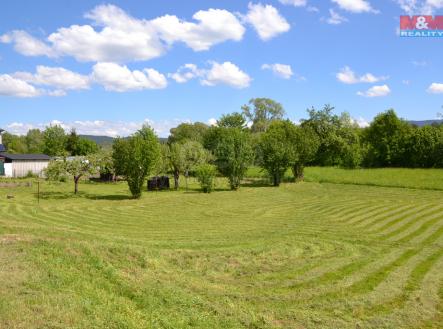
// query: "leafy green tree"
[[34, 141], [56, 171], [424, 147], [304, 143], [233, 153], [233, 120], [54, 139], [76, 168], [136, 157], [105, 164], [275, 150], [185, 157], [327, 127], [388, 137], [188, 131], [75, 145], [14, 143], [80, 167], [205, 174], [261, 112]]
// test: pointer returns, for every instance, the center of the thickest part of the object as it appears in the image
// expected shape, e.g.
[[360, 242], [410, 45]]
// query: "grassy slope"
[[301, 256]]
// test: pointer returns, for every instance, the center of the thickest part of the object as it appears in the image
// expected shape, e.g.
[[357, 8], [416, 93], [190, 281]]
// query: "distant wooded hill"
[[425, 122]]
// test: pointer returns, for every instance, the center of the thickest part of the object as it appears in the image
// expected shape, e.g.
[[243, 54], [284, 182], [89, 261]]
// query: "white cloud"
[[225, 73], [295, 3], [99, 127], [57, 77], [10, 86], [346, 75], [186, 72], [355, 6], [212, 122], [26, 44], [281, 70], [119, 78], [361, 122], [335, 18], [436, 88], [266, 20], [376, 91], [214, 26], [115, 36], [420, 7]]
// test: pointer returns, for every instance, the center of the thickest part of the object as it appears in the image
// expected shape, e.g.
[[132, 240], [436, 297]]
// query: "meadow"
[[345, 249]]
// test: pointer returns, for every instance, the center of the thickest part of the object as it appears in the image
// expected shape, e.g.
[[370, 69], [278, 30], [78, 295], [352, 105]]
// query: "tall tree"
[[261, 112], [34, 141], [233, 153], [304, 143], [188, 131], [185, 157], [136, 157], [54, 141], [233, 120], [388, 137], [275, 150]]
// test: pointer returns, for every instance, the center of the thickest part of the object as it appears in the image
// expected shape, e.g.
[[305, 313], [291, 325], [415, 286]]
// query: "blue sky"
[[107, 67]]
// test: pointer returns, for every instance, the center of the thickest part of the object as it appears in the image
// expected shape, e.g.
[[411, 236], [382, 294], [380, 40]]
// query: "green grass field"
[[306, 255]]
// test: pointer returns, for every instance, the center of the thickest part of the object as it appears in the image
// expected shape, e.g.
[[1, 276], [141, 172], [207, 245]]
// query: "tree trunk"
[[298, 172], [276, 179], [176, 181], [76, 179]]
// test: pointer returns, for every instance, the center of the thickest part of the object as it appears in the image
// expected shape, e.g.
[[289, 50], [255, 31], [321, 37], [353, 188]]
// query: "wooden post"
[[38, 191]]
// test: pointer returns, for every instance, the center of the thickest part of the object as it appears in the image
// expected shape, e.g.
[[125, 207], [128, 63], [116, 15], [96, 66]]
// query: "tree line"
[[259, 135]]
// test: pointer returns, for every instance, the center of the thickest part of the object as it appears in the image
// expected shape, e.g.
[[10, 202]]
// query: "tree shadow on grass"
[[56, 195], [256, 182], [116, 197]]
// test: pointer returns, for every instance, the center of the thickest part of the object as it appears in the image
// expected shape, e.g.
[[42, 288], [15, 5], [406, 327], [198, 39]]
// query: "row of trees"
[[52, 141], [269, 141]]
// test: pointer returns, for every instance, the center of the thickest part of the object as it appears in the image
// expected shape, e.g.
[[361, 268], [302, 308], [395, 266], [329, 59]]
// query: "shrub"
[[205, 174]]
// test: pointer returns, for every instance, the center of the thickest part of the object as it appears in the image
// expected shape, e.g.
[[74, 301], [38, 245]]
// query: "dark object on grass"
[[10, 197], [158, 183]]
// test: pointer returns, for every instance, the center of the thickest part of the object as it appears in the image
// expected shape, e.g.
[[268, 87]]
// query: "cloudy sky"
[[108, 67]]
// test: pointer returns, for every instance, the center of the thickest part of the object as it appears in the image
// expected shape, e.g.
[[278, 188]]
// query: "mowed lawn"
[[306, 255]]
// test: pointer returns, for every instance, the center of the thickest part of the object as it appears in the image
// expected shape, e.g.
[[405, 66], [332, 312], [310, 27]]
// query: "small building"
[[20, 165]]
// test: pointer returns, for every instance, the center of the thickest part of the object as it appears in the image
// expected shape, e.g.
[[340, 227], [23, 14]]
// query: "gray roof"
[[41, 157]]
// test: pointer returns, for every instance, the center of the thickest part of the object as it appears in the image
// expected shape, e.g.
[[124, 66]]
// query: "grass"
[[431, 179], [306, 255]]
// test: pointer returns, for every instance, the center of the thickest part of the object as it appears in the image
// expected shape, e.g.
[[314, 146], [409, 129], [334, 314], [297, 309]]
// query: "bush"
[[30, 174], [205, 174]]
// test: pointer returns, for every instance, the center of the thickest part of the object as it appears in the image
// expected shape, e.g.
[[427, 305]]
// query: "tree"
[[185, 157], [188, 131], [54, 141], [76, 145], [261, 112], [105, 165], [205, 174], [388, 137], [233, 120], [233, 153], [79, 167], [14, 143], [135, 157], [275, 150], [304, 142], [34, 141]]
